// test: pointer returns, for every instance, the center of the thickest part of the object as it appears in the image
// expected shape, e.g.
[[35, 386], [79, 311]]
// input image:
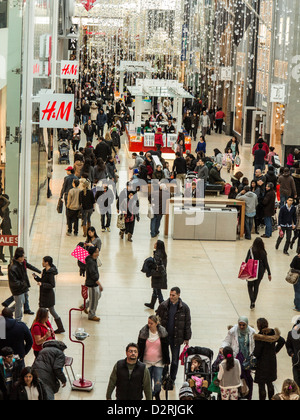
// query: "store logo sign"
[[69, 70], [88, 4], [57, 111], [277, 93]]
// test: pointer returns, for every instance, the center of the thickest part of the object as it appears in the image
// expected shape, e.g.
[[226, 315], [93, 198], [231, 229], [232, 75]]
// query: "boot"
[[84, 231], [152, 304], [121, 234], [157, 396], [130, 237], [60, 327]]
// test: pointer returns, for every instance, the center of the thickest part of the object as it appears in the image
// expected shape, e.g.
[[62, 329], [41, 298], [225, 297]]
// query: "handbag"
[[60, 206], [249, 270], [250, 363], [292, 277], [121, 222]]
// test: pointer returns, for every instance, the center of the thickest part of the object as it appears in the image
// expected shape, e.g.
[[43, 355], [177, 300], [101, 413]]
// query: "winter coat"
[[92, 272], [296, 178], [67, 185], [94, 112], [101, 119], [158, 280], [269, 203], [182, 324], [50, 364], [102, 151], [214, 176], [268, 343], [232, 340], [293, 345], [158, 138], [78, 165], [19, 392], [47, 295], [16, 370], [18, 279], [163, 335], [18, 337], [286, 217], [287, 185]]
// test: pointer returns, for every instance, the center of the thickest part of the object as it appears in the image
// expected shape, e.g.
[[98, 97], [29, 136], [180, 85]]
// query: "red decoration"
[[88, 4]]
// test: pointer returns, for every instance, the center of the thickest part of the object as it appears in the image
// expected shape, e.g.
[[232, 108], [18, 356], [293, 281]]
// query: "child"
[[196, 363], [228, 160], [197, 383], [290, 391], [229, 376]]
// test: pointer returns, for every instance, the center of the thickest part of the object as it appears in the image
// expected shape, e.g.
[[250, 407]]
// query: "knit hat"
[[92, 249], [186, 391]]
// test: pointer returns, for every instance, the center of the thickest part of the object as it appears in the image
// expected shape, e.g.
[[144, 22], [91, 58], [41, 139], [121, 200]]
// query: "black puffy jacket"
[[182, 322], [47, 295], [49, 365], [92, 272]]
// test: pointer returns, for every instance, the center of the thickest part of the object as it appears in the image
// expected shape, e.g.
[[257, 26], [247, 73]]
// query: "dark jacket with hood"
[[159, 274], [19, 392], [269, 203], [17, 277], [296, 178], [50, 364], [293, 344], [92, 272], [182, 321], [47, 295], [163, 335], [268, 343], [18, 337]]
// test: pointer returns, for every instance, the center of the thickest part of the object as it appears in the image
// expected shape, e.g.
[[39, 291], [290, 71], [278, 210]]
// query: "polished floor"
[[206, 272]]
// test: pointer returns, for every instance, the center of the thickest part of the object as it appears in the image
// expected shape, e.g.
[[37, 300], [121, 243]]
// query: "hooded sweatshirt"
[[251, 201]]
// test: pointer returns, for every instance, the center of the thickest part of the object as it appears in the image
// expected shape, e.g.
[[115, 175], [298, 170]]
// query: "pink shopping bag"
[[249, 270], [80, 254]]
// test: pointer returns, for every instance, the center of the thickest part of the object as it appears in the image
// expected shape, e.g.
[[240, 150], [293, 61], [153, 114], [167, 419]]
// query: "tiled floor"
[[206, 272]]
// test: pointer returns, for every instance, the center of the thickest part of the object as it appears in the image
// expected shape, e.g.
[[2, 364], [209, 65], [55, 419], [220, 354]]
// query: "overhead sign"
[[88, 4], [57, 111], [69, 69]]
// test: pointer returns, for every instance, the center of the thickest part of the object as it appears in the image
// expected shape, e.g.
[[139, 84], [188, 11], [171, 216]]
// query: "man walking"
[[130, 377], [287, 221], [93, 283], [73, 207], [176, 319], [251, 201]]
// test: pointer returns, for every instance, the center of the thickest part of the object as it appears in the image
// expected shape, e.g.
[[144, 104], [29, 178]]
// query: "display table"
[[241, 205], [144, 143]]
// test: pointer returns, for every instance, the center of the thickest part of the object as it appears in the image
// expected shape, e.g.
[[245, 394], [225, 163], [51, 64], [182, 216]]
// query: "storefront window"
[[3, 14], [239, 97]]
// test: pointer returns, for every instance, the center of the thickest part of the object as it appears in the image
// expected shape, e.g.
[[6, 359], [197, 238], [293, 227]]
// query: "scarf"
[[243, 338]]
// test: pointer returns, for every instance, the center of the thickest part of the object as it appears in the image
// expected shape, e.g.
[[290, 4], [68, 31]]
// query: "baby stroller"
[[64, 151], [202, 377]]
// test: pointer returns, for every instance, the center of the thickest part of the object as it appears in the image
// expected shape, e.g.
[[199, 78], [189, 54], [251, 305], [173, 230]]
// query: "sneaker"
[[69, 234], [108, 229], [103, 230]]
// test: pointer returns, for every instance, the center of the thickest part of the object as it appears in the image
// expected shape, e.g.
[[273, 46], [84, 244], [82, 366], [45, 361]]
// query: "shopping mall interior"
[[152, 77]]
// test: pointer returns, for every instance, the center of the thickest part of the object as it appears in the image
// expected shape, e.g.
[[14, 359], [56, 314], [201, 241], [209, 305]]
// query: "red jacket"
[[220, 115], [158, 139], [265, 148]]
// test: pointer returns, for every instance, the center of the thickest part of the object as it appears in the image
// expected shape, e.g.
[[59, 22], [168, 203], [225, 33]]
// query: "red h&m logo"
[[63, 112], [69, 70]]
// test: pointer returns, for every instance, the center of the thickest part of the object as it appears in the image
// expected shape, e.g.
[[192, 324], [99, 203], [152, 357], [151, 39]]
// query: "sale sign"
[[69, 70], [8, 240], [56, 111]]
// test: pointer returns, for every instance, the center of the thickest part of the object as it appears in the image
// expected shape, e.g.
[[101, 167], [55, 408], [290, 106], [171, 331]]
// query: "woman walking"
[[128, 205], [258, 252], [41, 330], [295, 265], [268, 343], [47, 295], [87, 202], [159, 274], [154, 351], [229, 376]]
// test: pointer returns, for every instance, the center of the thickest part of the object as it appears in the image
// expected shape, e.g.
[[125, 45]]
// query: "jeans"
[[175, 353], [108, 220], [157, 294], [156, 378], [85, 119], [155, 225], [19, 301], [288, 232], [248, 226], [10, 300], [86, 216], [219, 126], [268, 223], [297, 295]]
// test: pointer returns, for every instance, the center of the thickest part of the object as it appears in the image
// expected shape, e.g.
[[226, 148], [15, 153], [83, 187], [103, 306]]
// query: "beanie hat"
[[185, 391], [92, 249]]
